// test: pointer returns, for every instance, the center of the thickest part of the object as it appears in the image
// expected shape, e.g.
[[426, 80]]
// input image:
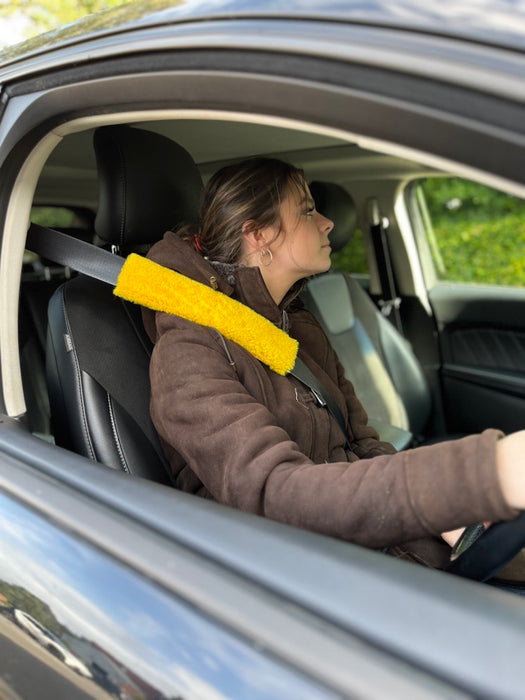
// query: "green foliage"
[[19, 597], [474, 201], [50, 14], [480, 232], [55, 217], [57, 19], [353, 256]]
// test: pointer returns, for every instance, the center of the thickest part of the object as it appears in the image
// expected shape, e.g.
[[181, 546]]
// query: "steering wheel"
[[482, 553]]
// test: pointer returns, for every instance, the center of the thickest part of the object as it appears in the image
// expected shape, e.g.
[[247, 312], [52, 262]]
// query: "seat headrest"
[[147, 185], [333, 201]]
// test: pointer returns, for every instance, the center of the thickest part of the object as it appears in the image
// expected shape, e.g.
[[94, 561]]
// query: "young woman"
[[238, 428]]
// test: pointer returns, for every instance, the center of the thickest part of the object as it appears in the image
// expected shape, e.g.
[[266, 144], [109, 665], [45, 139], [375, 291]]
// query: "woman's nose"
[[325, 224]]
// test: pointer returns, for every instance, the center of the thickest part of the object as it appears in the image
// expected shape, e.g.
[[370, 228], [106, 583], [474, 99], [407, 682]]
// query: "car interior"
[[119, 186]]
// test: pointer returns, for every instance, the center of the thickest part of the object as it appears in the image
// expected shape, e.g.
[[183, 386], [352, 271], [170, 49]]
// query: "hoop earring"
[[262, 254]]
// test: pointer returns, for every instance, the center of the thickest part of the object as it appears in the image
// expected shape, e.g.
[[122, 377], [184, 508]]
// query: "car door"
[[472, 238], [128, 608], [159, 594]]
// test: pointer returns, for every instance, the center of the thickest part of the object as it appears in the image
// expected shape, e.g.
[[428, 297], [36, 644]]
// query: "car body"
[[168, 595], [48, 640]]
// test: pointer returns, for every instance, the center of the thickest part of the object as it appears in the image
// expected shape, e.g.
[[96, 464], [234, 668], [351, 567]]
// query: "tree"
[[50, 14], [22, 599]]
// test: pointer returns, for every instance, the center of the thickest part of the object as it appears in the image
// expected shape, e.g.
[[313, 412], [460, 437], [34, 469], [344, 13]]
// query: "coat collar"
[[245, 284], [209, 301]]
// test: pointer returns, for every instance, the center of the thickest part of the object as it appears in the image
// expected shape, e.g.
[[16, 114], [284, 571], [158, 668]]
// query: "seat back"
[[40, 278], [97, 351], [387, 376]]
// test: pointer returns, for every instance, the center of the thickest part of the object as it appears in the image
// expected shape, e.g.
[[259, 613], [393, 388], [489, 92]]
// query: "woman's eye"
[[310, 212]]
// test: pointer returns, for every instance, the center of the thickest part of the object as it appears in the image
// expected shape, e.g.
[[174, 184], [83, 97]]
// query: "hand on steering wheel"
[[482, 553]]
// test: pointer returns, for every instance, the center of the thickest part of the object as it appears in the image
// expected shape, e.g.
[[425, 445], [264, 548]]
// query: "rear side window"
[[62, 218], [475, 233], [75, 222], [352, 258]]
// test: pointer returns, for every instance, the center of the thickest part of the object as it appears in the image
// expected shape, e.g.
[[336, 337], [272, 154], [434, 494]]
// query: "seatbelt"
[[72, 252], [389, 302], [301, 372]]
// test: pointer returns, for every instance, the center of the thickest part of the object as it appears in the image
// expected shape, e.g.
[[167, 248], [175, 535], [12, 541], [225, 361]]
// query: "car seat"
[[386, 374], [40, 278], [97, 350]]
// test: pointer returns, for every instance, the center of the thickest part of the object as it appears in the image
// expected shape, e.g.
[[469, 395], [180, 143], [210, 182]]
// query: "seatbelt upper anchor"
[[387, 305]]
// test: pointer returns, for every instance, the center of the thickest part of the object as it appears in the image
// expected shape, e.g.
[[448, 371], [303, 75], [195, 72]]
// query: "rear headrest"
[[333, 201], [147, 185]]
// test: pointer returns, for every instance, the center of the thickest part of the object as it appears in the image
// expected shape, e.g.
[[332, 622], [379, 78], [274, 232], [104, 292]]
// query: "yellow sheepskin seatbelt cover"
[[156, 287]]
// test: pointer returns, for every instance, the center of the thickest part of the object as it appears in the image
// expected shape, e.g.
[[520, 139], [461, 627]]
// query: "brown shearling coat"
[[237, 432]]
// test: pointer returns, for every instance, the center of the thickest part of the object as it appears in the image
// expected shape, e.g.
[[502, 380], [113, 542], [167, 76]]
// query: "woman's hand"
[[510, 464], [452, 536]]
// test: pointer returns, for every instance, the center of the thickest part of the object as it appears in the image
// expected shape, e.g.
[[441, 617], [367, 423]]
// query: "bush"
[[480, 232], [353, 256]]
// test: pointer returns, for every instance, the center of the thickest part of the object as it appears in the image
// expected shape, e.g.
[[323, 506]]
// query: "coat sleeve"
[[246, 460]]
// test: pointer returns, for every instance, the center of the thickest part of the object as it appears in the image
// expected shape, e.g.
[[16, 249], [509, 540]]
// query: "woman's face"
[[302, 247]]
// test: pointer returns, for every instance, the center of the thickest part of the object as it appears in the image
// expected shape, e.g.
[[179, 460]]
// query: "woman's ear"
[[253, 235]]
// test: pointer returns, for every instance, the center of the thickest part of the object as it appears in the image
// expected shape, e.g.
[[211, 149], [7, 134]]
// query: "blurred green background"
[[44, 15], [480, 232]]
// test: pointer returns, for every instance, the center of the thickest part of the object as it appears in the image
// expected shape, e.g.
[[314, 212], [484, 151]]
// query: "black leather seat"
[[387, 376], [97, 351], [40, 278]]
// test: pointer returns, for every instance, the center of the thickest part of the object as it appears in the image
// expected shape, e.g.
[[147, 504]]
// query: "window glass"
[[59, 217], [352, 258], [475, 233], [78, 222]]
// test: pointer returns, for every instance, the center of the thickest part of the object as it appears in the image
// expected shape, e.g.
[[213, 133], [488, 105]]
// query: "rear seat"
[[379, 362], [40, 278]]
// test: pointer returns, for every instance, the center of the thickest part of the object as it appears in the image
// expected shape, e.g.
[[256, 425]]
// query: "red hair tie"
[[198, 243]]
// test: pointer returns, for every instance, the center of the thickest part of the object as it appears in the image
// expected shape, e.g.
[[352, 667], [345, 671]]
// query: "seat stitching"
[[78, 375], [116, 437]]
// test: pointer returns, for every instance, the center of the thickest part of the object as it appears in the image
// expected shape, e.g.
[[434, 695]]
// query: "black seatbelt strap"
[[100, 264], [389, 302], [71, 252], [301, 372]]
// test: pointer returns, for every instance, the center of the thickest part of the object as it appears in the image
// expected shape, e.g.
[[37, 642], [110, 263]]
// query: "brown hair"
[[251, 190]]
